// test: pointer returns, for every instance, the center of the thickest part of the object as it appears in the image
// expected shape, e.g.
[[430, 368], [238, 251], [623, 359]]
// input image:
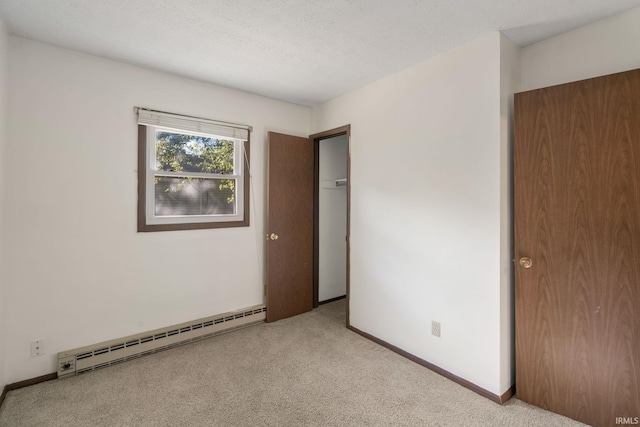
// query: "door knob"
[[272, 236], [526, 262]]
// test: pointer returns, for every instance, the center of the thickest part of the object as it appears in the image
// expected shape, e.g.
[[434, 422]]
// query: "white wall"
[[427, 163], [332, 218], [77, 270], [604, 47], [4, 69]]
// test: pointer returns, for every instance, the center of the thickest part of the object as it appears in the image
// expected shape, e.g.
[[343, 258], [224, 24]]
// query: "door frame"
[[316, 139]]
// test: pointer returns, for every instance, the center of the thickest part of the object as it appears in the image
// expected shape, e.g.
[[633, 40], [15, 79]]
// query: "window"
[[192, 173]]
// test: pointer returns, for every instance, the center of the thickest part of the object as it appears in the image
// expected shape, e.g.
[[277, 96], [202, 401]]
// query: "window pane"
[[178, 152], [194, 196]]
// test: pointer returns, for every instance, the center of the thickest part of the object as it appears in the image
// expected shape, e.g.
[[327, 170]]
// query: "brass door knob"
[[273, 236], [526, 262]]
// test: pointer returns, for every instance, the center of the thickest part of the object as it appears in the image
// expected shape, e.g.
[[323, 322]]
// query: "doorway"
[[293, 222], [331, 221], [331, 215]]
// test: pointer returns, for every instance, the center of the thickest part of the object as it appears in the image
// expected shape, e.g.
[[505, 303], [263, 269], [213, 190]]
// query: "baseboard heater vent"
[[89, 358]]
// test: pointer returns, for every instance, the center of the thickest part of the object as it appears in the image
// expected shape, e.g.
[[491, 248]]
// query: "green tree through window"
[[179, 152]]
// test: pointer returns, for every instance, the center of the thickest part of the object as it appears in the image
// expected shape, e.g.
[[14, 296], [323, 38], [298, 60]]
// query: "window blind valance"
[[194, 124]]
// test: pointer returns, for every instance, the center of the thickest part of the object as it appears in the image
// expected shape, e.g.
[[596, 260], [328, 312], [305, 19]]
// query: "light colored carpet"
[[304, 371]]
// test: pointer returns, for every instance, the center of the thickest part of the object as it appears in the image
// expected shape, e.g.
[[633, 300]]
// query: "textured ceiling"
[[301, 51]]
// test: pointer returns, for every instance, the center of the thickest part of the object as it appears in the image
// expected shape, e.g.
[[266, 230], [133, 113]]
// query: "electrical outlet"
[[37, 348], [435, 328]]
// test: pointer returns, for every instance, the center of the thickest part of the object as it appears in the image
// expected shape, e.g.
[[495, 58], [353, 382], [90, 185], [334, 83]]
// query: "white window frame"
[[153, 172]]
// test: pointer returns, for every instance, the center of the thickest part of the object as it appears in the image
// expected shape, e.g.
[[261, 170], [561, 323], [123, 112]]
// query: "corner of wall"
[[509, 84], [4, 65]]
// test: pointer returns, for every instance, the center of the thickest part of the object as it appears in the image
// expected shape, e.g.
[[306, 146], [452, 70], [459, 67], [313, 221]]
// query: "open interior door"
[[289, 249]]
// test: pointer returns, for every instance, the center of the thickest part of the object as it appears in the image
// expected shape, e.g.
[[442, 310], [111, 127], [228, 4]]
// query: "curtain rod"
[[228, 124]]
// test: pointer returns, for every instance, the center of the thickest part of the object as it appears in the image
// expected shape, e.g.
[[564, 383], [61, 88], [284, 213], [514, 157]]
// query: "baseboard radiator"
[[89, 358]]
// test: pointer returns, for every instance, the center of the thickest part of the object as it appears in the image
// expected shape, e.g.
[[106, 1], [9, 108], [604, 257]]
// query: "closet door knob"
[[526, 262]]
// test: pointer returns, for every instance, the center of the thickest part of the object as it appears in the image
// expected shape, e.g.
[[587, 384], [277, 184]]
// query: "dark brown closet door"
[[577, 239]]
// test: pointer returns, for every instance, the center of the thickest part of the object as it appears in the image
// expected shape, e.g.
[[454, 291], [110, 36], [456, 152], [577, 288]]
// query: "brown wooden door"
[[289, 226], [577, 216]]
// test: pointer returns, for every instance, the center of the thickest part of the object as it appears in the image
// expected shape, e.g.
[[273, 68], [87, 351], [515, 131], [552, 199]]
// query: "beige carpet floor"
[[304, 371]]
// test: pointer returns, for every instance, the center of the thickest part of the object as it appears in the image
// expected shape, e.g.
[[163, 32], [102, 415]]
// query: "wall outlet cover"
[[435, 328], [37, 348]]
